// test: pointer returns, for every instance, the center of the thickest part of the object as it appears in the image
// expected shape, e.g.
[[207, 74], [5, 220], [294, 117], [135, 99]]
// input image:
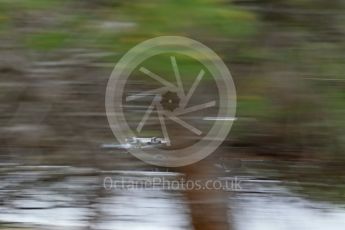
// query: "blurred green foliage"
[[48, 40], [261, 40]]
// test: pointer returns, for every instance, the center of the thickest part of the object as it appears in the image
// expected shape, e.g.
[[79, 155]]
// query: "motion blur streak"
[[286, 144]]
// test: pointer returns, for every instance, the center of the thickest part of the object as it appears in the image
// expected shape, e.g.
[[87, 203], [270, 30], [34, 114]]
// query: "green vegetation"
[[47, 41]]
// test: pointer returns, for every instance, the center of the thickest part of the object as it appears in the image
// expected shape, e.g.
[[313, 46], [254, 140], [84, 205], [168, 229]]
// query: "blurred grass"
[[48, 40], [32, 4], [235, 33]]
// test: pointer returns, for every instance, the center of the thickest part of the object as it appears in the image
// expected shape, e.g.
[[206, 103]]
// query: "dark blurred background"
[[287, 144]]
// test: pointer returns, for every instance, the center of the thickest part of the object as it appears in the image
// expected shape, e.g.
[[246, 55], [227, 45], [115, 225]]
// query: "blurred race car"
[[138, 142]]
